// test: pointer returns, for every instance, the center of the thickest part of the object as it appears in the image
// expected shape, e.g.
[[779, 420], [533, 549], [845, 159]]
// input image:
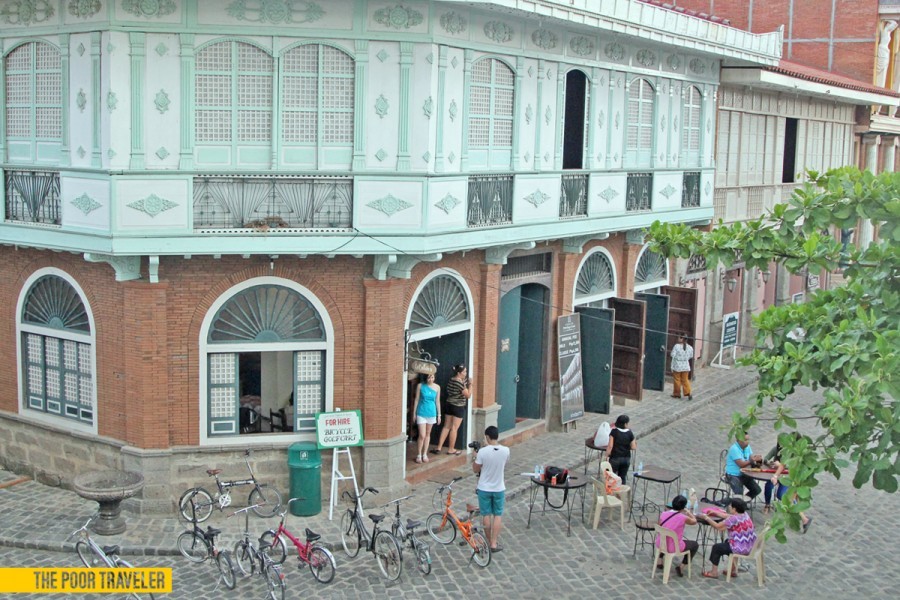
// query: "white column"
[[890, 154], [866, 231]]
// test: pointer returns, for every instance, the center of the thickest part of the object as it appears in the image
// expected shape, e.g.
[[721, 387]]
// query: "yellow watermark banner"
[[82, 580]]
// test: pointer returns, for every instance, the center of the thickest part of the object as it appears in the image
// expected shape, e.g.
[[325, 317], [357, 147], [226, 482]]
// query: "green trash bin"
[[305, 465]]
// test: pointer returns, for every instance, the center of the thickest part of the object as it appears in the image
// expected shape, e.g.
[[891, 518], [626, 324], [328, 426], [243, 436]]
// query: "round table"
[[571, 488]]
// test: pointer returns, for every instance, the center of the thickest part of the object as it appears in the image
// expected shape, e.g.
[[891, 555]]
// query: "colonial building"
[[220, 218]]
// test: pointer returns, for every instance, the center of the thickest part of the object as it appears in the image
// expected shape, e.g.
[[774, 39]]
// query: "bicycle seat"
[[410, 524], [212, 472], [471, 508], [311, 535], [376, 518], [110, 550], [210, 532]]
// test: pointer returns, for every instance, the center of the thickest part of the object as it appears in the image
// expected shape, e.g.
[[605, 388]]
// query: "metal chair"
[[644, 525]]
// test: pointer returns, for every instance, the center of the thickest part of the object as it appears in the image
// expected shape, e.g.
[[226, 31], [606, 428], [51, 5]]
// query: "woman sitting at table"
[[741, 535], [675, 520], [621, 443]]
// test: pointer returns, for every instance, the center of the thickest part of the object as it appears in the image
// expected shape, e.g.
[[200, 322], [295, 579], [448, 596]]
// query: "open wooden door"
[[628, 347], [596, 356], [655, 336], [682, 319]]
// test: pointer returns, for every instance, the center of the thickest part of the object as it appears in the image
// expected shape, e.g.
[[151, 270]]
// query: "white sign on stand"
[[339, 431], [729, 339]]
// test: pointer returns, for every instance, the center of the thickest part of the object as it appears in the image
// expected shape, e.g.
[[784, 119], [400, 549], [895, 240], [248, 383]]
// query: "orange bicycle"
[[442, 526]]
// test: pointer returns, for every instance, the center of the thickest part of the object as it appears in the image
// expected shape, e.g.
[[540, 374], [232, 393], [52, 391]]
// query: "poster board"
[[729, 339], [339, 429], [571, 387]]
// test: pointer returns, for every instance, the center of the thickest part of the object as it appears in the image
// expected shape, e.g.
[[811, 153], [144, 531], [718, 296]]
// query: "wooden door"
[[628, 347], [682, 319]]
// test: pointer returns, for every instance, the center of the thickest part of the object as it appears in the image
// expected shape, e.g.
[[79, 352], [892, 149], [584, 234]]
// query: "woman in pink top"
[[675, 520]]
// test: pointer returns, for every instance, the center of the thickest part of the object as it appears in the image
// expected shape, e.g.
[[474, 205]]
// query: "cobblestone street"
[[840, 557]]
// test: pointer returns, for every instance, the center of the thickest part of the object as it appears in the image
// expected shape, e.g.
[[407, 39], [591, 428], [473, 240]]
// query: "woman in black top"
[[458, 395], [621, 443]]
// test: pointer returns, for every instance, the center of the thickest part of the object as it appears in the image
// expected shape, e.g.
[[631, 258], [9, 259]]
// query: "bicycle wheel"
[[439, 498], [193, 546], [441, 528], [388, 555], [276, 548], [351, 538], [203, 505], [243, 558], [423, 557], [481, 550], [321, 563], [274, 582], [121, 562], [226, 569], [87, 556], [267, 495]]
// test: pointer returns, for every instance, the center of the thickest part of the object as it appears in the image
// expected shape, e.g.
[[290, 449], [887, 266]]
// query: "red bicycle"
[[320, 560]]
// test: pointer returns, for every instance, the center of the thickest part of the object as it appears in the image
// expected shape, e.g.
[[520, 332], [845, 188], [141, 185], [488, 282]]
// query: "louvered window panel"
[[640, 117], [690, 128], [491, 105], [34, 93]]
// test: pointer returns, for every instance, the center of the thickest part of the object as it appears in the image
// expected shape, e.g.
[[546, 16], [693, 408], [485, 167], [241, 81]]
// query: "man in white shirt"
[[490, 464]]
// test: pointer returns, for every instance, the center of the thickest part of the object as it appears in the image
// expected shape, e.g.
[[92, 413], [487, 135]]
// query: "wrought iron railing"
[[528, 265], [273, 202], [639, 192], [573, 195], [490, 200], [33, 196], [690, 190]]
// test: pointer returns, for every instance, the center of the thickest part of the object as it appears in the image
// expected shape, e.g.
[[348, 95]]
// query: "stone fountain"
[[108, 488]]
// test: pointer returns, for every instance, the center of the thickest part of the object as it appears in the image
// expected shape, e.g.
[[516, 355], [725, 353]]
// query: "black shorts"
[[456, 411]]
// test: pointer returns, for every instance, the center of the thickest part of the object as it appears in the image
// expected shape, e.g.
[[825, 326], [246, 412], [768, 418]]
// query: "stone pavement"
[[29, 506], [849, 550]]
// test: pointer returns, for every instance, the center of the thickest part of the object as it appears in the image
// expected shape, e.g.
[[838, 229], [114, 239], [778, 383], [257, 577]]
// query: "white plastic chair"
[[757, 553], [624, 491], [668, 557], [603, 500]]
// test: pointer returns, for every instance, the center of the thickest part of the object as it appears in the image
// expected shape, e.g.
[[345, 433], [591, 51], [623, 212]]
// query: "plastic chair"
[[662, 549], [603, 500], [624, 491], [757, 553]]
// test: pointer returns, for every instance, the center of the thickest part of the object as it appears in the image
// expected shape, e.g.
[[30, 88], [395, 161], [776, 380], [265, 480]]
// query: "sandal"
[[419, 458], [435, 451], [455, 453], [710, 574], [425, 458]]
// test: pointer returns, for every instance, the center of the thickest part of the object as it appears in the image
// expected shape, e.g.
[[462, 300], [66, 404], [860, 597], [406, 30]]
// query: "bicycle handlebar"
[[399, 500], [245, 509], [83, 527], [354, 498], [294, 500]]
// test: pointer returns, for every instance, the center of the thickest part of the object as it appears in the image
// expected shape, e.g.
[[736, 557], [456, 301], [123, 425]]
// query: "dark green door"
[[448, 350], [596, 356], [656, 335], [508, 358], [531, 351]]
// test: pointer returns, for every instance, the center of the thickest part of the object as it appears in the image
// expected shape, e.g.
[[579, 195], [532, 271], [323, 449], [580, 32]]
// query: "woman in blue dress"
[[428, 412]]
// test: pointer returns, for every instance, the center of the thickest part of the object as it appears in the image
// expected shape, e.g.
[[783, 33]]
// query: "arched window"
[[266, 349], [639, 133], [652, 271], [233, 99], [596, 281], [56, 346], [690, 126], [317, 91], [33, 102], [491, 101], [441, 303]]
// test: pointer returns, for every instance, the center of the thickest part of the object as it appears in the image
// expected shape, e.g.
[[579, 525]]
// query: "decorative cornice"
[[127, 268], [497, 255], [275, 11], [153, 8], [575, 245], [398, 17]]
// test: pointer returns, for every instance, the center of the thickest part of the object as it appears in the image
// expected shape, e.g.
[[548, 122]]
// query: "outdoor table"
[[759, 474], [705, 532], [589, 449], [666, 477], [571, 488]]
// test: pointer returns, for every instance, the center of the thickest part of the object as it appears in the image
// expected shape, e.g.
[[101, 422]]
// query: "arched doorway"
[[651, 274], [439, 326], [594, 286], [521, 345]]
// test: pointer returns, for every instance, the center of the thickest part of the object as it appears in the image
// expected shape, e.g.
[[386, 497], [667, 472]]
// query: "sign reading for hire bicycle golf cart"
[[339, 429]]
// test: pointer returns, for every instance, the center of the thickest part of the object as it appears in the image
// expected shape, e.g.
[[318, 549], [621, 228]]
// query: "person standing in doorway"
[[458, 394], [682, 353], [490, 466], [427, 409]]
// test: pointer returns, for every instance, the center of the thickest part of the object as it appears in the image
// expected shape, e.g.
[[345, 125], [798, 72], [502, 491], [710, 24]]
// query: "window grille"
[[317, 96], [491, 100], [690, 189], [33, 196], [260, 202], [526, 266], [639, 191], [652, 268], [594, 279], [34, 93], [309, 396], [266, 313], [573, 195], [639, 133], [690, 123], [441, 302], [696, 264], [490, 200]]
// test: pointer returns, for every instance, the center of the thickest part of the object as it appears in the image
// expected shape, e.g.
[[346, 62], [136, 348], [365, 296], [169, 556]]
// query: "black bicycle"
[[198, 545], [262, 495], [406, 533], [249, 559], [379, 542]]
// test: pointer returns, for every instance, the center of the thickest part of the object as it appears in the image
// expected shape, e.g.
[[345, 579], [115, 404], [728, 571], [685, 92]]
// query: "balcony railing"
[[490, 200], [741, 203], [573, 195], [264, 202], [639, 191], [690, 190], [33, 197]]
